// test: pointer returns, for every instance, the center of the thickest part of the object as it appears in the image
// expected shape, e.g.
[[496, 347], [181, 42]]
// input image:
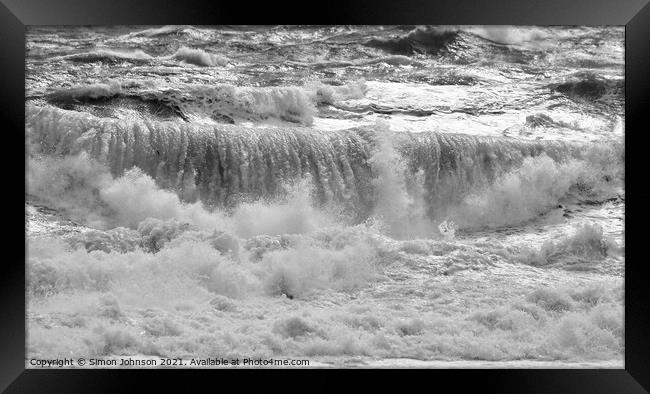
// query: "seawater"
[[433, 193]]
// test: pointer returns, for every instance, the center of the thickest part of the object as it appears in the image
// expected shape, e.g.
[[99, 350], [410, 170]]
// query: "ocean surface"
[[350, 195]]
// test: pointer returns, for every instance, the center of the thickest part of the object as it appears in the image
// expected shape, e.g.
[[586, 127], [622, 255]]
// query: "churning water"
[[340, 194]]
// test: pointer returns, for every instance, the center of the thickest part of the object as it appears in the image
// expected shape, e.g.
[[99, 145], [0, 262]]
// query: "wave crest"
[[110, 56], [536, 187], [427, 40], [221, 102], [581, 250], [589, 86], [200, 57]]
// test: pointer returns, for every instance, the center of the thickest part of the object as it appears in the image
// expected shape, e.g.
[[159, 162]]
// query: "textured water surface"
[[358, 196]]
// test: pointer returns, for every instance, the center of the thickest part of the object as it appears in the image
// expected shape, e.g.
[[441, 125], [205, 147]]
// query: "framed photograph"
[[437, 187]]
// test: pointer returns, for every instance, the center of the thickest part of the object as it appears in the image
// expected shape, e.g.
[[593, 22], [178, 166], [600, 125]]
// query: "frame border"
[[634, 14]]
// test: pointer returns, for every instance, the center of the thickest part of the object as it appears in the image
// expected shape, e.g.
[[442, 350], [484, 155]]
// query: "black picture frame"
[[15, 15]]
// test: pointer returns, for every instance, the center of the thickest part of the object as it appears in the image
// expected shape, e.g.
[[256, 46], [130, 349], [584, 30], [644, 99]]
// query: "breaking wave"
[[476, 181], [87, 92], [536, 187], [185, 54], [221, 102], [137, 219], [160, 263], [110, 56], [578, 251], [200, 57], [237, 191], [464, 44]]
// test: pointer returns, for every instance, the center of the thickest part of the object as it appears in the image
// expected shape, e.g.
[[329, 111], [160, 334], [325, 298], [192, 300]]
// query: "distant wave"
[[460, 44], [394, 60], [87, 92], [108, 99], [109, 55], [188, 55], [420, 40], [200, 58], [221, 102], [589, 86], [531, 37], [175, 30]]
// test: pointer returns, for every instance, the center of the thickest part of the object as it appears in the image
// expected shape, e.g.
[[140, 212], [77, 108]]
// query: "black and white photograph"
[[340, 196]]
